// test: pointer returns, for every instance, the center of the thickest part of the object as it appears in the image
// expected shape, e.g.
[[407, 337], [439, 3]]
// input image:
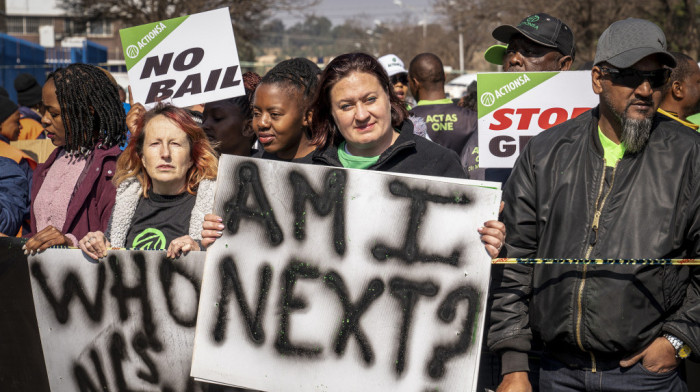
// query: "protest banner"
[[331, 279], [515, 106], [187, 60], [125, 323]]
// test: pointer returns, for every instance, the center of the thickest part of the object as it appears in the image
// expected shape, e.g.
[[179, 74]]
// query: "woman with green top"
[[358, 122]]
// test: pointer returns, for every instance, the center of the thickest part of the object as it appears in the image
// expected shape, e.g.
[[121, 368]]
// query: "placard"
[[331, 279], [186, 61], [125, 323], [515, 106]]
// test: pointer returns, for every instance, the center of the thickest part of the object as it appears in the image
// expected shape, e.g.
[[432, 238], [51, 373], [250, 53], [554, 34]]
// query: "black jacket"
[[649, 208], [410, 154]]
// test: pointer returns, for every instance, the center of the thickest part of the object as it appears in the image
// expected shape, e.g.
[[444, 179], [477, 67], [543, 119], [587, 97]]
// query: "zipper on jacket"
[[592, 240]]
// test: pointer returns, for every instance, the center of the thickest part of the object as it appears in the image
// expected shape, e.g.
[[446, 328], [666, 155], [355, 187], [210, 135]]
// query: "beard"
[[635, 132]]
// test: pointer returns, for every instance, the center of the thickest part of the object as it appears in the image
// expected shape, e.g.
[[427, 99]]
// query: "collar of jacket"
[[329, 155]]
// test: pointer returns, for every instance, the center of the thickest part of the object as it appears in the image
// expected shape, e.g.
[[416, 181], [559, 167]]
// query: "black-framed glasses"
[[632, 78], [400, 77]]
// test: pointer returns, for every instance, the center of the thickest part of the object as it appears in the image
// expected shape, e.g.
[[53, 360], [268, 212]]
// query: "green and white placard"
[[515, 106], [185, 61]]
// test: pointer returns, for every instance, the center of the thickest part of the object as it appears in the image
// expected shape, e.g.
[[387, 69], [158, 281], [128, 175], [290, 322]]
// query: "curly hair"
[[202, 154], [91, 111], [324, 131]]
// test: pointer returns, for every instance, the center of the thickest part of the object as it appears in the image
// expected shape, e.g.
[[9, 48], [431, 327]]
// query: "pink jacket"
[[93, 198]]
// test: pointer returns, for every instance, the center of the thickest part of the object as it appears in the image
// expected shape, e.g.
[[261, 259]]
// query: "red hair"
[[205, 163]]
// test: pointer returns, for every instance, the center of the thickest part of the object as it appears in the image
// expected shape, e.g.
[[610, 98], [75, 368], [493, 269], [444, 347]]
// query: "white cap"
[[392, 64]]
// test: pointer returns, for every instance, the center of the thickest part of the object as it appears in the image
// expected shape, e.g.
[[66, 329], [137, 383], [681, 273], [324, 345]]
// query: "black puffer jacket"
[[410, 154], [649, 208]]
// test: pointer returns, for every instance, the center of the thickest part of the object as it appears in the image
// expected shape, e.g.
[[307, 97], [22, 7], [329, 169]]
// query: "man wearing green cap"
[[539, 42]]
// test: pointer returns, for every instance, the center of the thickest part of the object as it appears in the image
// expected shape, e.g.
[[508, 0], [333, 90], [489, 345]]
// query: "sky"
[[336, 10], [383, 10]]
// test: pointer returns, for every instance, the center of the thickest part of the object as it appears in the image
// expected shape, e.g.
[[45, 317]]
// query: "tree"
[[587, 18], [247, 15]]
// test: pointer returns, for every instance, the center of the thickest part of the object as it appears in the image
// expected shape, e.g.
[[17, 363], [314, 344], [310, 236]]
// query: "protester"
[[448, 124], [356, 121], [682, 96], [360, 123], [227, 123], [540, 42], [165, 185], [14, 197], [398, 75], [586, 189], [29, 99], [72, 193], [281, 109]]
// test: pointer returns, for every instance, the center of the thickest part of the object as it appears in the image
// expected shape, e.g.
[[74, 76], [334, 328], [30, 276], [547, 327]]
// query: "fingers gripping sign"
[[94, 244]]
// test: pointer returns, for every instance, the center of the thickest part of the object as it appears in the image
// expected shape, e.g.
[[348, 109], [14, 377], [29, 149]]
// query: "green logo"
[[138, 41], [149, 239], [497, 89], [531, 22], [487, 99]]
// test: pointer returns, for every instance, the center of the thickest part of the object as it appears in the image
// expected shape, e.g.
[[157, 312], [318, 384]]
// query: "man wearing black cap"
[[29, 99], [540, 42], [617, 182]]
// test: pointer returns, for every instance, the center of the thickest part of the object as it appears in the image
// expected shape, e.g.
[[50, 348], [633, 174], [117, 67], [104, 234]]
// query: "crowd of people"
[[585, 189]]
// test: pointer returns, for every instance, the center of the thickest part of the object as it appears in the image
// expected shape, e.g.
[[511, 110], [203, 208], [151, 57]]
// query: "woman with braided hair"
[[72, 192], [281, 115], [227, 123], [281, 119]]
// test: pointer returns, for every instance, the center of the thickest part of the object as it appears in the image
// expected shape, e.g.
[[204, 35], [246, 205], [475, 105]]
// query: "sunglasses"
[[632, 78], [402, 77]]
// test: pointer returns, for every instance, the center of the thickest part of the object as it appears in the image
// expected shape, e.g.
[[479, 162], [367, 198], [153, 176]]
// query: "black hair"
[[91, 111], [683, 67], [298, 73], [251, 80]]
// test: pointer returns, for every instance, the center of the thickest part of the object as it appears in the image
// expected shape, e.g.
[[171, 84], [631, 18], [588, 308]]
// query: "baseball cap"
[[625, 42], [541, 28], [392, 64]]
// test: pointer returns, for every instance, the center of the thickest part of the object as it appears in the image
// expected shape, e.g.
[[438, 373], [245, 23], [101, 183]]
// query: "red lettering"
[[545, 121], [504, 122], [526, 117]]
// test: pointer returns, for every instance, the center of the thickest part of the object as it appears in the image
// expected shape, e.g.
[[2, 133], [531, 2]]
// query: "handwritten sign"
[[187, 60], [329, 279], [515, 106], [125, 323]]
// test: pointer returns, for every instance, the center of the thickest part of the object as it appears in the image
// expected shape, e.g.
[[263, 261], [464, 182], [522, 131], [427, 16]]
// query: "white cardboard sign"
[[186, 61], [329, 279], [125, 323], [515, 106]]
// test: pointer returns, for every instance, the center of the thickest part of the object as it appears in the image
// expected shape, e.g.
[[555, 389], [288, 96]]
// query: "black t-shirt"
[[159, 219], [454, 127]]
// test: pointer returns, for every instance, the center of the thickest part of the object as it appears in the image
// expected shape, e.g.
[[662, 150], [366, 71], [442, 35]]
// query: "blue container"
[[20, 56]]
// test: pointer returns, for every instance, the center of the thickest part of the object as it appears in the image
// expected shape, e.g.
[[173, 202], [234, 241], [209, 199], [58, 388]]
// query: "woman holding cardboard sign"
[[165, 184], [360, 123]]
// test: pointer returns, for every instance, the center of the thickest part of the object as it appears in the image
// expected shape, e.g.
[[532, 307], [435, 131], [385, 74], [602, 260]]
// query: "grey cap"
[[625, 42]]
